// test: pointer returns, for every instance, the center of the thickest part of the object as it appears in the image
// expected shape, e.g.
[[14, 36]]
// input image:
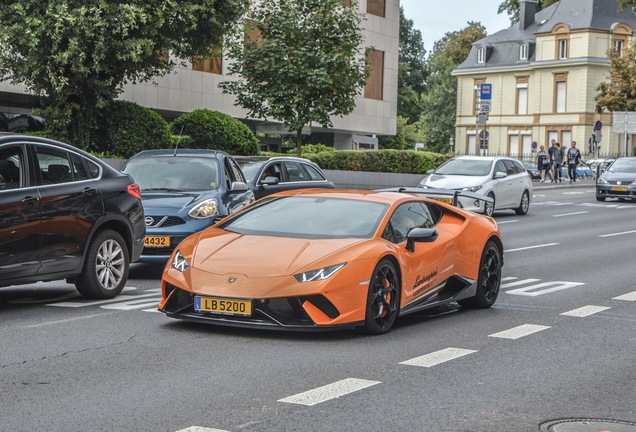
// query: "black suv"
[[65, 214]]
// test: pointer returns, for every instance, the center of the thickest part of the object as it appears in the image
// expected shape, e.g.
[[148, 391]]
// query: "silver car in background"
[[503, 179], [618, 181]]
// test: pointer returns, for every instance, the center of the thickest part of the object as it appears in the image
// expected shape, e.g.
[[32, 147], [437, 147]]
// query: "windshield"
[[309, 217], [466, 167], [623, 166], [250, 168], [180, 173]]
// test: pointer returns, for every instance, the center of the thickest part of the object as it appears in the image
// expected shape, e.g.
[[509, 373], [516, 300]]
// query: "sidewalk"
[[565, 184]]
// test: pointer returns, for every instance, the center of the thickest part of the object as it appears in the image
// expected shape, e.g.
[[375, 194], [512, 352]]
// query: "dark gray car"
[[268, 175], [618, 181]]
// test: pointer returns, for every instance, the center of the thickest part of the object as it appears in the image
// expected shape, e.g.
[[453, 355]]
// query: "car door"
[[518, 180], [426, 268], [19, 216], [70, 205], [502, 186], [236, 199], [270, 169]]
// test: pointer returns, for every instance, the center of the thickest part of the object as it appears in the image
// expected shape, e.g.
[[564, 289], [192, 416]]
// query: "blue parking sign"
[[485, 91]]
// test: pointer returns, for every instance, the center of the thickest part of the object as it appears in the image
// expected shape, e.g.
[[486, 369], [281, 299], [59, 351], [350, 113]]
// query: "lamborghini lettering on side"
[[323, 259]]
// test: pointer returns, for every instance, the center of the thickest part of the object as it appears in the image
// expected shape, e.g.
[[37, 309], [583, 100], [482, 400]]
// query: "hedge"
[[390, 161]]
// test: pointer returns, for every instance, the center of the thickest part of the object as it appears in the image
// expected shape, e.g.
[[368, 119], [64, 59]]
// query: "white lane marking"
[[507, 221], [618, 234], [200, 429], [533, 290], [574, 193], [508, 278], [519, 332], [570, 214], [517, 283], [585, 311], [438, 357], [151, 310], [67, 320], [532, 247], [133, 304], [627, 297], [330, 391], [119, 298], [625, 207], [538, 196], [154, 290]]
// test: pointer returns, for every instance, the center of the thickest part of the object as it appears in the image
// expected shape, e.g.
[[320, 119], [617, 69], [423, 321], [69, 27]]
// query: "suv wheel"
[[105, 267]]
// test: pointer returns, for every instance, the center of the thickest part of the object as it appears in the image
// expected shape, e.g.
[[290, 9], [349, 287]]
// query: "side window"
[[11, 167], [510, 167], [406, 217], [229, 175], [313, 173], [236, 170], [295, 172], [272, 170], [519, 168], [78, 169], [500, 167], [54, 165], [93, 169]]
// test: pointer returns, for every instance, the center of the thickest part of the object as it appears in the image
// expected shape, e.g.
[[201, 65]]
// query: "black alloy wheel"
[[383, 299], [489, 279], [489, 208]]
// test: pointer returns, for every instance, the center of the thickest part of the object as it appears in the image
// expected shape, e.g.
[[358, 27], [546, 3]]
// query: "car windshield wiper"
[[162, 189]]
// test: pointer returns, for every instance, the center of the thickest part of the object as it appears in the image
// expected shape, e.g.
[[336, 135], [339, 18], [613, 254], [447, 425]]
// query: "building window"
[[212, 65], [523, 52], [563, 48], [619, 44], [522, 99], [376, 7], [481, 55], [373, 88], [560, 93]]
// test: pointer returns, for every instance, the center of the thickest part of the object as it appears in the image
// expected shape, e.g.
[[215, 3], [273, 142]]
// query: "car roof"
[[180, 152], [270, 158], [488, 158]]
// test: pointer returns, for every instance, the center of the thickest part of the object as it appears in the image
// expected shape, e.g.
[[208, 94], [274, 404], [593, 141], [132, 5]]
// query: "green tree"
[[439, 102], [77, 54], [406, 135], [619, 93], [511, 7], [305, 66], [623, 4], [412, 70]]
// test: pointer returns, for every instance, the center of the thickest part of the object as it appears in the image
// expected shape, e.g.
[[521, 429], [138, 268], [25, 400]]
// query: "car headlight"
[[179, 262], [319, 274], [601, 180], [205, 209], [472, 189]]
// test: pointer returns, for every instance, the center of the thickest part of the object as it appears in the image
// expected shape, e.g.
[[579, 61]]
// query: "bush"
[[128, 128], [308, 149], [214, 130], [390, 161]]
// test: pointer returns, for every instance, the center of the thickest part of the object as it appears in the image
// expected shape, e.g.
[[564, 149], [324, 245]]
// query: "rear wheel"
[[524, 206], [489, 208], [489, 279], [105, 267], [383, 299]]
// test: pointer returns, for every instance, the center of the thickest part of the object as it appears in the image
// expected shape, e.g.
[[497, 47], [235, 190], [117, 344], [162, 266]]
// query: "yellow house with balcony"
[[544, 73]]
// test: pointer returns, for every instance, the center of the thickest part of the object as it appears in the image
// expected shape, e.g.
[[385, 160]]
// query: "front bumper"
[[614, 191]]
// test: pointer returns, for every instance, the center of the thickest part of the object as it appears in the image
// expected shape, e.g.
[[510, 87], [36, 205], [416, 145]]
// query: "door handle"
[[29, 199], [89, 190]]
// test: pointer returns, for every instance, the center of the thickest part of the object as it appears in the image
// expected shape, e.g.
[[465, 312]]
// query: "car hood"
[[615, 176], [222, 252], [452, 181], [173, 200]]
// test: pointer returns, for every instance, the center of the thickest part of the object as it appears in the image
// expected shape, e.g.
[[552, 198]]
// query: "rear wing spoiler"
[[436, 194]]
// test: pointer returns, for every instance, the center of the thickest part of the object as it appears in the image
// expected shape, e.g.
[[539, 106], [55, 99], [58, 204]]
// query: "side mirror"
[[3, 183], [420, 235], [430, 171], [500, 175], [238, 187], [270, 181]]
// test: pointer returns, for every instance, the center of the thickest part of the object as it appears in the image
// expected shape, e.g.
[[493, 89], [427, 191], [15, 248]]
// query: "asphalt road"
[[559, 343]]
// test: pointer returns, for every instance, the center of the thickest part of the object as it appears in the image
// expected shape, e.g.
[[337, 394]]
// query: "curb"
[[565, 185]]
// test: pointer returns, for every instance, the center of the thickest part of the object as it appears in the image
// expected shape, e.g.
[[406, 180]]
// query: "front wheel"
[[488, 280], [105, 266], [524, 205], [489, 208], [600, 198], [383, 298]]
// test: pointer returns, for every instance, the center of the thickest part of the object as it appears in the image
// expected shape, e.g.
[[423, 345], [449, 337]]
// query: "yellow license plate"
[[225, 306], [444, 200], [157, 241], [619, 188]]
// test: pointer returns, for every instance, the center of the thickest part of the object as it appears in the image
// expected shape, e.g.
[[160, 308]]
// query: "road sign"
[[624, 122], [598, 125], [482, 119], [598, 135], [483, 139], [484, 107], [485, 92]]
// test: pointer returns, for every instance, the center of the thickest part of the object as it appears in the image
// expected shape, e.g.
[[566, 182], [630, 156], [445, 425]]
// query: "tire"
[[106, 266], [600, 198], [489, 279], [524, 205], [488, 208], [383, 298]]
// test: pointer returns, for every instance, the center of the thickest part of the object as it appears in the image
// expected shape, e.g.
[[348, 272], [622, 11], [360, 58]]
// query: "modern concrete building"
[[196, 86], [544, 72]]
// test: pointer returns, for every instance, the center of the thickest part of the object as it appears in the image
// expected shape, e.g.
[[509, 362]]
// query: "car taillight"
[[133, 189]]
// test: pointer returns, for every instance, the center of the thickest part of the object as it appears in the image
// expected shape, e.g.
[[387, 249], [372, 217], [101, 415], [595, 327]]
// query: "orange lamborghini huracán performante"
[[321, 259]]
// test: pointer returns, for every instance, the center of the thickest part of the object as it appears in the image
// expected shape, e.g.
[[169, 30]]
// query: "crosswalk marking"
[[438, 357], [132, 304], [585, 311], [200, 429], [519, 331], [517, 283], [549, 287], [330, 391], [627, 297], [82, 303]]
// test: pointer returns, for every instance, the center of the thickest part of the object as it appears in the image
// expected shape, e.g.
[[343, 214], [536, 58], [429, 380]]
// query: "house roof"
[[503, 46]]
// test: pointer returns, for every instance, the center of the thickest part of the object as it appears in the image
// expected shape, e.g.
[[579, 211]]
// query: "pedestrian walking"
[[543, 162], [573, 157], [551, 151], [558, 161]]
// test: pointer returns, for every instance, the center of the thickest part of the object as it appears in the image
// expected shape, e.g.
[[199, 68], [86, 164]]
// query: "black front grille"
[[163, 221]]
